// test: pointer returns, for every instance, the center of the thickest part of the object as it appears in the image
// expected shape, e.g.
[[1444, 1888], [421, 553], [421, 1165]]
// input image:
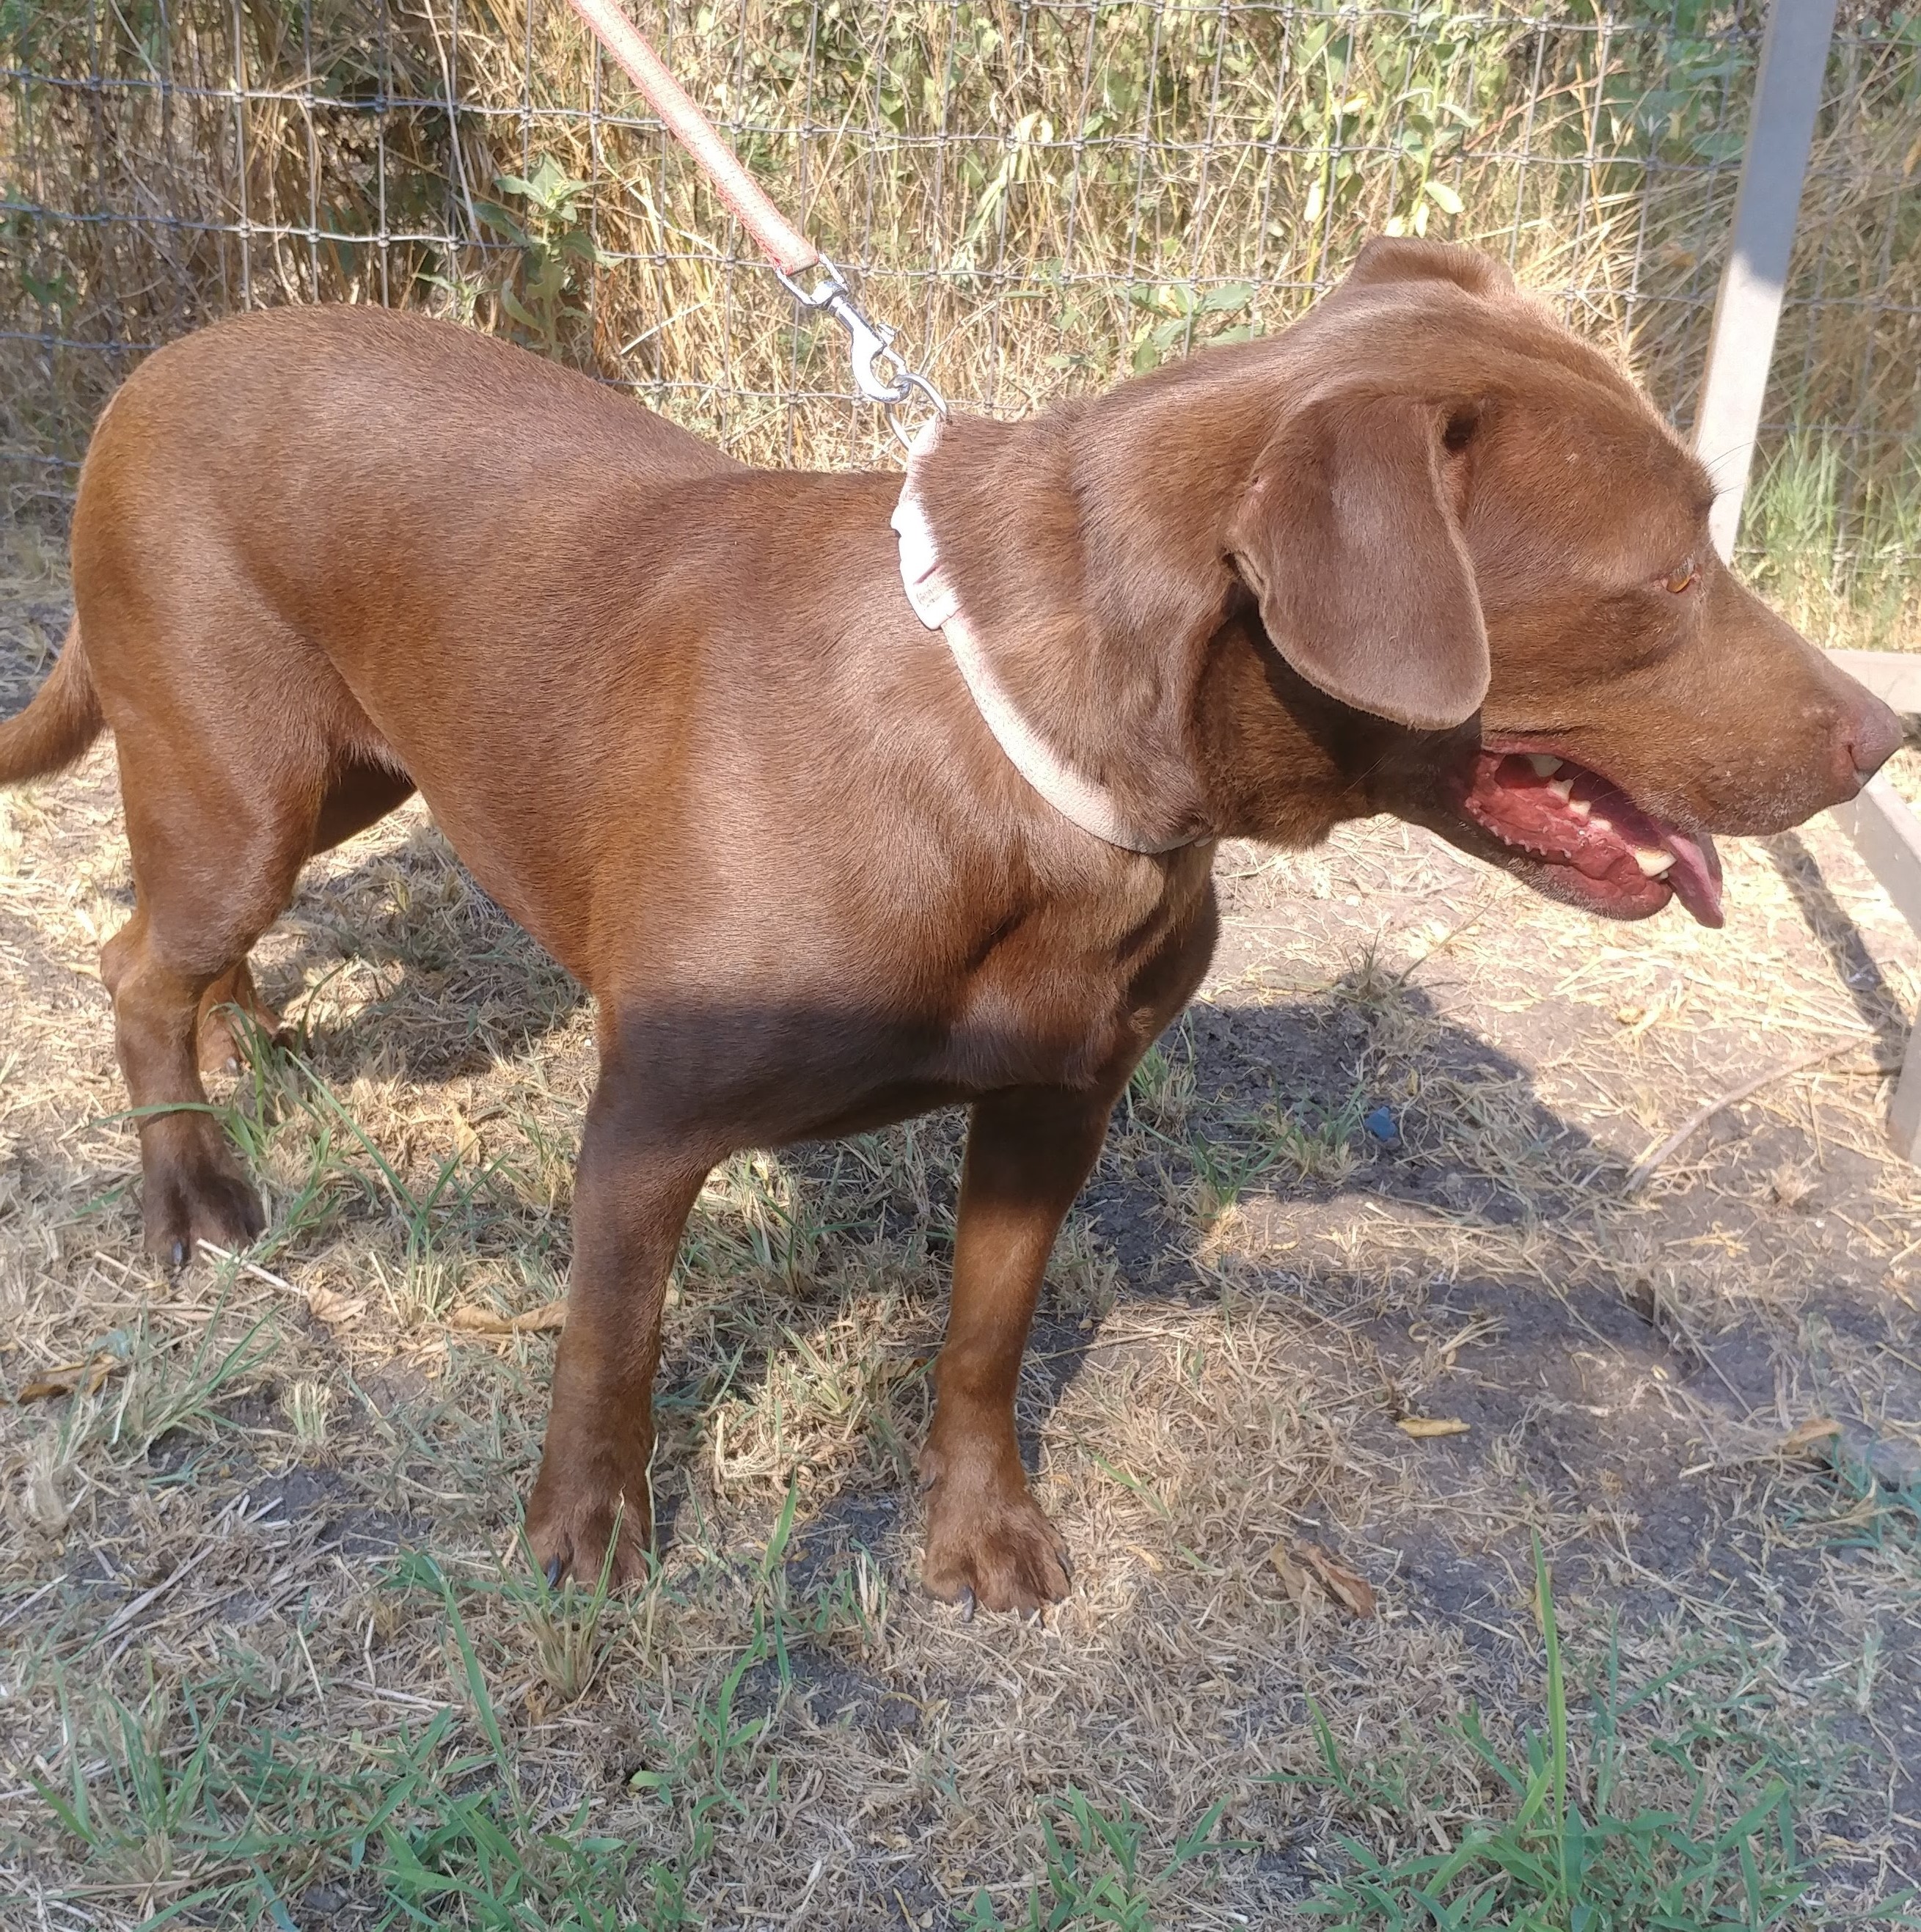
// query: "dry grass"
[[261, 1592]]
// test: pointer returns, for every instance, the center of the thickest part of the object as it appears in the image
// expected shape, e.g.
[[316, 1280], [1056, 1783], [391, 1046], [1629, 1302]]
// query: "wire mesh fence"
[[1043, 194]]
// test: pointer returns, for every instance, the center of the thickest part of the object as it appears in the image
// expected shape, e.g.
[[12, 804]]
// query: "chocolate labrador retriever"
[[846, 800]]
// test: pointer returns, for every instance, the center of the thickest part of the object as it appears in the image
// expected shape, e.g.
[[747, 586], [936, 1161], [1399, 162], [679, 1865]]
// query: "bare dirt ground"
[[270, 1655]]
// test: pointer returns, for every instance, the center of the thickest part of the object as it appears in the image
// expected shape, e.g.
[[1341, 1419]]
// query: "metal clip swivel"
[[880, 373]]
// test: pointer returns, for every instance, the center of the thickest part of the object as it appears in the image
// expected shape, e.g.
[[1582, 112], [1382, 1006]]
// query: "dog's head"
[[1426, 552], [1469, 524]]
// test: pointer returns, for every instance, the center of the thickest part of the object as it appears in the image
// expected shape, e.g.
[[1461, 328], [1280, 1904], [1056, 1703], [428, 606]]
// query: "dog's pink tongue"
[[1696, 874]]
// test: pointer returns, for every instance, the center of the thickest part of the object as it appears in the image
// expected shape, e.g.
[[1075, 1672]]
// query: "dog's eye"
[[1683, 579], [1459, 430]]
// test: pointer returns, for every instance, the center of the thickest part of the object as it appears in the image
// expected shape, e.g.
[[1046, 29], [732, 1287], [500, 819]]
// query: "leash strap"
[[880, 374], [780, 241]]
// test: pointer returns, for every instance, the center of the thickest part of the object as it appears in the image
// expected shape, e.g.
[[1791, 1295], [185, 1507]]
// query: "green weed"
[[759, 1214], [1094, 1874], [138, 1814], [1316, 1143], [1161, 1091], [552, 237], [1871, 1512], [306, 1405], [564, 1622], [1573, 1852], [168, 1385], [1223, 1171]]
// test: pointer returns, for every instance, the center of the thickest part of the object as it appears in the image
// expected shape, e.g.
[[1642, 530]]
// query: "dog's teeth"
[[1563, 789], [1599, 824], [1653, 860], [1580, 807], [1544, 767]]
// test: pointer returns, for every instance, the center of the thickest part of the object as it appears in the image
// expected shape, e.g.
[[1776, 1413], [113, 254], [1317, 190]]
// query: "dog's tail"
[[64, 718]]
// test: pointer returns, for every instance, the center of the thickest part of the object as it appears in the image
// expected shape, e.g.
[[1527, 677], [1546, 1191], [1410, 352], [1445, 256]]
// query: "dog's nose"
[[1874, 733]]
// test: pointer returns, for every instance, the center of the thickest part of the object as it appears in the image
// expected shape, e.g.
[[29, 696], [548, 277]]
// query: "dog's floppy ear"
[[1347, 538]]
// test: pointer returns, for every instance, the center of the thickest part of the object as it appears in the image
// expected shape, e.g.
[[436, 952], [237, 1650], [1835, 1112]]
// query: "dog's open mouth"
[[1590, 842]]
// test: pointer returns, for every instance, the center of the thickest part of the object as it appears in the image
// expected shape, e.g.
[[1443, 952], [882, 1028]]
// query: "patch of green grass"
[[1870, 1511], [563, 1621], [1317, 1143], [306, 1405], [1094, 1871], [175, 1387], [1224, 1171], [759, 1214], [167, 1384], [1835, 551], [1573, 1851], [188, 1798], [1305, 1141], [1161, 1091], [703, 1768]]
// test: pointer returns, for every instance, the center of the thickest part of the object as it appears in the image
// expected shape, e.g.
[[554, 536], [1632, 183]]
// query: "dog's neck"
[[1085, 800], [1094, 623], [1081, 649]]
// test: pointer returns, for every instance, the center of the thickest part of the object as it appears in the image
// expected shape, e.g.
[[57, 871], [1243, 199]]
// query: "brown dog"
[[1425, 553]]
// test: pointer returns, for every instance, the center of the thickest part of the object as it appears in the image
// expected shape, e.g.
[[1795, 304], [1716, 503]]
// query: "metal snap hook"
[[880, 374]]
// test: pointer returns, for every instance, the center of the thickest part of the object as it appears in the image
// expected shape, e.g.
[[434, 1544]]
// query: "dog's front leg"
[[632, 1191], [1029, 1150]]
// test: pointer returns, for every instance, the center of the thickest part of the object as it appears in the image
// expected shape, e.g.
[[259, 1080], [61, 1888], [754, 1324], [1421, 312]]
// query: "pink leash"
[[784, 245]]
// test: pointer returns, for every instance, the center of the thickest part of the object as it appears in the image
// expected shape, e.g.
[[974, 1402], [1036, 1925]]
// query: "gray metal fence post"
[[1787, 96], [1787, 93]]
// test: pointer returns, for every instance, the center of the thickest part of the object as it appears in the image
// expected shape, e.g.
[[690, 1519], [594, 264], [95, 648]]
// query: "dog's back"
[[352, 391], [293, 531]]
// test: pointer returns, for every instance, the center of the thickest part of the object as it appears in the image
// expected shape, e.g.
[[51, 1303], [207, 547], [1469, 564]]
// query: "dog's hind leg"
[[215, 856], [359, 793]]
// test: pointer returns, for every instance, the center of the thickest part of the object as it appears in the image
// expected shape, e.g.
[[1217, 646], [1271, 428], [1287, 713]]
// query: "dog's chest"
[[1063, 996]]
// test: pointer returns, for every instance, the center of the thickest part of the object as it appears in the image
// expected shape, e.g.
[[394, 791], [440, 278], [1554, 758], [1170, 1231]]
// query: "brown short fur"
[[676, 716]]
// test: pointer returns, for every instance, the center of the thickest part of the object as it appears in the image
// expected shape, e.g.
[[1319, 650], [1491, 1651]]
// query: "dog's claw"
[[966, 1605], [178, 1255], [554, 1572], [1067, 1563]]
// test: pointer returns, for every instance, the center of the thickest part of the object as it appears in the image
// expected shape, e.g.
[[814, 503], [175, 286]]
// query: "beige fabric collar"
[[937, 604]]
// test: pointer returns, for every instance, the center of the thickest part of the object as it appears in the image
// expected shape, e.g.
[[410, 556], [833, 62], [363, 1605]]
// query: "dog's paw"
[[990, 1546], [211, 1202], [572, 1521]]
